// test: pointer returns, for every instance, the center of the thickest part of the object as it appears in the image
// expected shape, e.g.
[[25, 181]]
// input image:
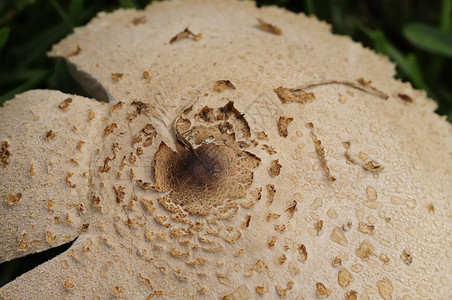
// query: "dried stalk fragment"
[[363, 87], [321, 152], [269, 27]]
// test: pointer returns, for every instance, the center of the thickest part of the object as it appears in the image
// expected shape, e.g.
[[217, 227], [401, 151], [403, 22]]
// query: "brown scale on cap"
[[185, 35], [283, 123], [65, 104], [405, 97], [5, 154], [269, 27], [75, 51], [222, 85], [13, 198], [139, 20], [116, 76], [322, 290], [287, 95]]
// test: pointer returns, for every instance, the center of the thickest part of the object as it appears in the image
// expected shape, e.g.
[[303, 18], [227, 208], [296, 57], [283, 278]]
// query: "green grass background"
[[415, 34]]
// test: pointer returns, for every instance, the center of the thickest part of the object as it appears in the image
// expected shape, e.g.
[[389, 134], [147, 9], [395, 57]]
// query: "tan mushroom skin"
[[243, 153]]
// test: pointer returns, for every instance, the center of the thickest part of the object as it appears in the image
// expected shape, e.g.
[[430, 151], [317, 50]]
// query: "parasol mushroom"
[[240, 153]]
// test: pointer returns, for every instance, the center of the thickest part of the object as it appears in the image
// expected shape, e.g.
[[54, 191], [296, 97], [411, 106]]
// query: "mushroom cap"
[[233, 160]]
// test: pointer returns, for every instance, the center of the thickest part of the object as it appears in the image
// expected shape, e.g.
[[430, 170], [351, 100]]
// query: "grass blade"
[[127, 4], [446, 13], [75, 11], [310, 7], [37, 47], [429, 38], [64, 16], [29, 84], [4, 32], [382, 45], [8, 78], [416, 73]]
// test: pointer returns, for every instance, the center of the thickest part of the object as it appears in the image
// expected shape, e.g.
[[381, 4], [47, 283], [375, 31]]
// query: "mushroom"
[[181, 185]]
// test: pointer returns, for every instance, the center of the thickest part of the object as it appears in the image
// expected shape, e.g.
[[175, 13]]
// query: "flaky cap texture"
[[244, 153]]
